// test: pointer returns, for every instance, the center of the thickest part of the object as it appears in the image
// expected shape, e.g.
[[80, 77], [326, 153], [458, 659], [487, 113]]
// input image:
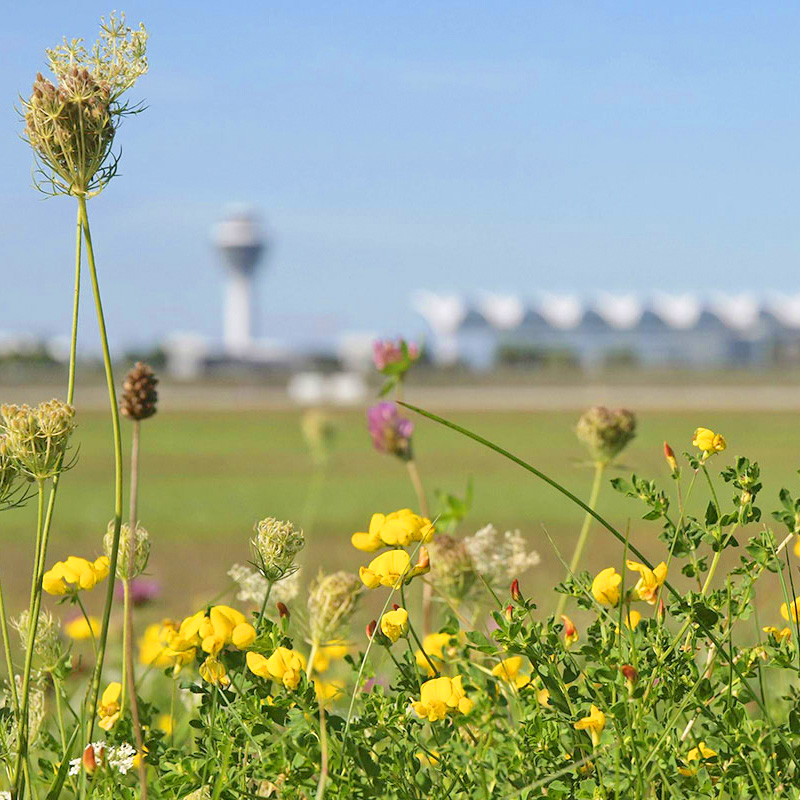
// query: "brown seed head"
[[139, 395]]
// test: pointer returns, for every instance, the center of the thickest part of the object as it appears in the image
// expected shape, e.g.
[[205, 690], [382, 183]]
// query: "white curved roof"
[[563, 311], [738, 311], [619, 310], [443, 312], [677, 310], [786, 309], [503, 311]]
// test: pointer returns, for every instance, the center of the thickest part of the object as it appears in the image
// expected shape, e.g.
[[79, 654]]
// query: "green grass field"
[[207, 477]]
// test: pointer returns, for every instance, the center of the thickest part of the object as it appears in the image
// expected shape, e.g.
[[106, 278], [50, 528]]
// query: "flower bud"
[[631, 676], [275, 546], [516, 595], [141, 549], [91, 760], [669, 455], [423, 564], [371, 628], [606, 433], [661, 611], [283, 611], [509, 612], [570, 631]]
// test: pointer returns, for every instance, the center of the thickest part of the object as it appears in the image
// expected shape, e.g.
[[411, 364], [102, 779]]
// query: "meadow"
[[206, 477]]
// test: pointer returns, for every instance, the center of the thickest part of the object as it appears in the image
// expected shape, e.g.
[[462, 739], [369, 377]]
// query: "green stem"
[[88, 620], [7, 647], [22, 721], [73, 345], [262, 613], [112, 397], [584, 534]]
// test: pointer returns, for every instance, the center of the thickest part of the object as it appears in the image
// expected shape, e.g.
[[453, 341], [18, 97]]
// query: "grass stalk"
[[94, 690]]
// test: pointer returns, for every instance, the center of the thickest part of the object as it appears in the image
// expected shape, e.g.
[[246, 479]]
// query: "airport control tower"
[[241, 241]]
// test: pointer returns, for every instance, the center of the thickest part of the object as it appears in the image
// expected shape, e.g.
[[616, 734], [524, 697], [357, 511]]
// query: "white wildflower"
[[74, 767], [500, 558], [253, 586], [121, 758]]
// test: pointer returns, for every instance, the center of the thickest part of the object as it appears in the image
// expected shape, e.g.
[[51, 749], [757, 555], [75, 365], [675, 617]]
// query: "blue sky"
[[393, 146]]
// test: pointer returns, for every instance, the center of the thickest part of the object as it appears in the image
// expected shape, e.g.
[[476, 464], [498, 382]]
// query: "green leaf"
[[58, 782]]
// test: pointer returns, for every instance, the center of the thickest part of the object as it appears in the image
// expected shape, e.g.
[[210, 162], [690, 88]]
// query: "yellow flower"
[[214, 672], [335, 651], [781, 635], [633, 619], [283, 665], [398, 529], [79, 628], [440, 696], [433, 644], [75, 574], [797, 547], [371, 540], [709, 442], [570, 631], [699, 753], [222, 625], [165, 723], [543, 697], [509, 670], [392, 567], [605, 587], [162, 646], [394, 624], [650, 581], [594, 723], [108, 709], [328, 690], [429, 759], [795, 608]]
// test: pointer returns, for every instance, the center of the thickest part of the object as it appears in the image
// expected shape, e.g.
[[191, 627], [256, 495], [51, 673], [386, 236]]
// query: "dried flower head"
[[275, 546], [47, 645], [9, 476], [70, 124], [606, 433], [253, 586], [452, 570], [390, 432], [499, 558], [331, 600], [141, 549], [38, 438], [36, 713], [139, 396]]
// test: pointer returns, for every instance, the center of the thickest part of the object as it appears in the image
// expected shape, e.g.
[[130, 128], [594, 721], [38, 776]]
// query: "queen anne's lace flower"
[[253, 586], [499, 558]]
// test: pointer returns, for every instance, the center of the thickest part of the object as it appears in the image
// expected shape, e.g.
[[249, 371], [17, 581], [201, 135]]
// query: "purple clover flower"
[[390, 432], [143, 591], [385, 352]]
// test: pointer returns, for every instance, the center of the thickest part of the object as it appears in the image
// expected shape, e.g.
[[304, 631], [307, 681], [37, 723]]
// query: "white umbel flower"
[[500, 558]]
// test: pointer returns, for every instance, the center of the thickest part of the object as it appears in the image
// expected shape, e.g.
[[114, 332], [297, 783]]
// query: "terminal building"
[[660, 331]]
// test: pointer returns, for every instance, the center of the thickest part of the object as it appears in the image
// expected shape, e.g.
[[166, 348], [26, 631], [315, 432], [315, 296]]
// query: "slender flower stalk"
[[583, 536], [94, 691]]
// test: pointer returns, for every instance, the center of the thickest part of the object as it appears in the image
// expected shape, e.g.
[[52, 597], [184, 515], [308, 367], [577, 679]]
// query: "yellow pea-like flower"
[[393, 567], [214, 672], [605, 587], [650, 581], [779, 635], [509, 670], [79, 629], [699, 753], [708, 441], [795, 608], [283, 665], [109, 708], [394, 624], [75, 574], [440, 697], [594, 722]]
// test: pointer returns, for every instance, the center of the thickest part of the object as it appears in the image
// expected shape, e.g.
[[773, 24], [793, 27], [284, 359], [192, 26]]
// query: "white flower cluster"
[[497, 557], [5, 795], [120, 758], [253, 586]]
